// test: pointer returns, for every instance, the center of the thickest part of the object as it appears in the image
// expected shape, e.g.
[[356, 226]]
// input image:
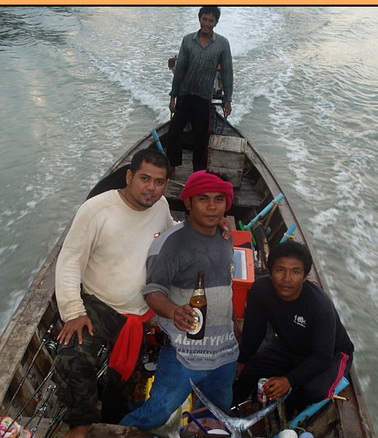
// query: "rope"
[[176, 182], [339, 397], [289, 236]]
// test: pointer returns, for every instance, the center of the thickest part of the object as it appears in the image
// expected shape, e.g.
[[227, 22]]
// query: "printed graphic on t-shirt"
[[299, 320]]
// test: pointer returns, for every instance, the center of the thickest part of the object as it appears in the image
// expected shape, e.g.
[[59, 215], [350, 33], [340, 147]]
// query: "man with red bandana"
[[311, 351], [174, 260]]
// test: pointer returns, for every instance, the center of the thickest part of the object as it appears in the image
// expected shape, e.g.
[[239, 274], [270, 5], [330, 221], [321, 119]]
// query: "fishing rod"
[[41, 410], [55, 422], [49, 374], [45, 339]]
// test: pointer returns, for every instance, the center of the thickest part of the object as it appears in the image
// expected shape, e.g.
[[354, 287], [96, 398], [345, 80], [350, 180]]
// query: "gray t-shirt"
[[174, 260]]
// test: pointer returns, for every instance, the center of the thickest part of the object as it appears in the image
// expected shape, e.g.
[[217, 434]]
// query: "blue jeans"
[[172, 386]]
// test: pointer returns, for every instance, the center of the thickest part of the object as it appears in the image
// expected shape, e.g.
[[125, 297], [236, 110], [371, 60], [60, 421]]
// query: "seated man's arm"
[[255, 324], [323, 347], [71, 262]]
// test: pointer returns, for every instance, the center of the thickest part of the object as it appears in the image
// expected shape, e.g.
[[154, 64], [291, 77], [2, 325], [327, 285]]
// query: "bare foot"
[[78, 431]]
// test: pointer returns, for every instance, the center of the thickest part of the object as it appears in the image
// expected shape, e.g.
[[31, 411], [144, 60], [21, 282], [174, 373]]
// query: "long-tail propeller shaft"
[[237, 425]]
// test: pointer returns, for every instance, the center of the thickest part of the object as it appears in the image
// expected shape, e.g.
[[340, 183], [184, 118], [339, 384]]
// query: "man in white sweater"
[[99, 275]]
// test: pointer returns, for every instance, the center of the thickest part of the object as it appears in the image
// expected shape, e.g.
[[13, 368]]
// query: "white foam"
[[9, 248], [31, 204]]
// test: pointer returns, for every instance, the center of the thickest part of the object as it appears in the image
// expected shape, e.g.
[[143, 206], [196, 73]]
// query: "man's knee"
[[80, 357], [312, 393], [75, 372]]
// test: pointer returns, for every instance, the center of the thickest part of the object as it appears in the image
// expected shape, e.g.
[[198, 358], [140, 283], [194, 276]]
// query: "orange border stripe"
[[187, 3]]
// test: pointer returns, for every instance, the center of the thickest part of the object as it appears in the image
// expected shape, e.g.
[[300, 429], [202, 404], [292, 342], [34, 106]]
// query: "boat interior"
[[29, 343]]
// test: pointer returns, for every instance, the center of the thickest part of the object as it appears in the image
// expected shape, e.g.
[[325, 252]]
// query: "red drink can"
[[261, 397]]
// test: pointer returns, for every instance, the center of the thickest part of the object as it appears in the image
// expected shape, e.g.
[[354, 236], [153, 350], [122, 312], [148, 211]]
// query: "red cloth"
[[126, 349], [204, 182]]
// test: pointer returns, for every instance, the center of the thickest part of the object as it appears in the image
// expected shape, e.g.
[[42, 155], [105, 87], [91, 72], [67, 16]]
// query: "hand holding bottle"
[[183, 317]]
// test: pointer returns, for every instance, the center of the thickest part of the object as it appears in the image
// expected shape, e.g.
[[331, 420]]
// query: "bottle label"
[[199, 292], [198, 322]]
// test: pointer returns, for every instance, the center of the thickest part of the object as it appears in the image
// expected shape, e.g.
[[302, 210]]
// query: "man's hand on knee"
[[75, 326]]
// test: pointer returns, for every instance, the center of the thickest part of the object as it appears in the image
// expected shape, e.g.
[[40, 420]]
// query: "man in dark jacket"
[[311, 350]]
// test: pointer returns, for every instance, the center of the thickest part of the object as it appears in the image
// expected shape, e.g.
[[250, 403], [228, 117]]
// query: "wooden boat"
[[27, 346]]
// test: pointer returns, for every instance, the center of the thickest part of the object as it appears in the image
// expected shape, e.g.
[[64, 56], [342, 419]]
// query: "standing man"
[[174, 260], [192, 89], [99, 275], [311, 351]]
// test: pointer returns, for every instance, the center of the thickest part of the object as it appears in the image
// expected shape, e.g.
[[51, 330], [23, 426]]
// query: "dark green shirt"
[[196, 67]]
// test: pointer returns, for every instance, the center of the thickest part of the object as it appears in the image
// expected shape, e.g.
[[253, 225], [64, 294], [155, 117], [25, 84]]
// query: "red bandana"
[[203, 182]]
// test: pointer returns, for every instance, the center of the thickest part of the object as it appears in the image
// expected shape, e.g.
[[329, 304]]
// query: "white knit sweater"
[[106, 251]]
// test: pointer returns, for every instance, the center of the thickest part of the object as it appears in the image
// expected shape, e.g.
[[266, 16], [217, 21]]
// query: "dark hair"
[[210, 10], [291, 249], [222, 176], [152, 156]]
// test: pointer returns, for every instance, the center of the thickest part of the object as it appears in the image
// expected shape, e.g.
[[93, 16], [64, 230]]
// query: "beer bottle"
[[199, 304]]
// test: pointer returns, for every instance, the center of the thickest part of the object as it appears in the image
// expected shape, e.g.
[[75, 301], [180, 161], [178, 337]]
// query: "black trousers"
[[196, 110], [273, 360]]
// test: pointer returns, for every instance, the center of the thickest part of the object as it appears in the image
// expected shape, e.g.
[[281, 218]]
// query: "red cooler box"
[[244, 273]]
